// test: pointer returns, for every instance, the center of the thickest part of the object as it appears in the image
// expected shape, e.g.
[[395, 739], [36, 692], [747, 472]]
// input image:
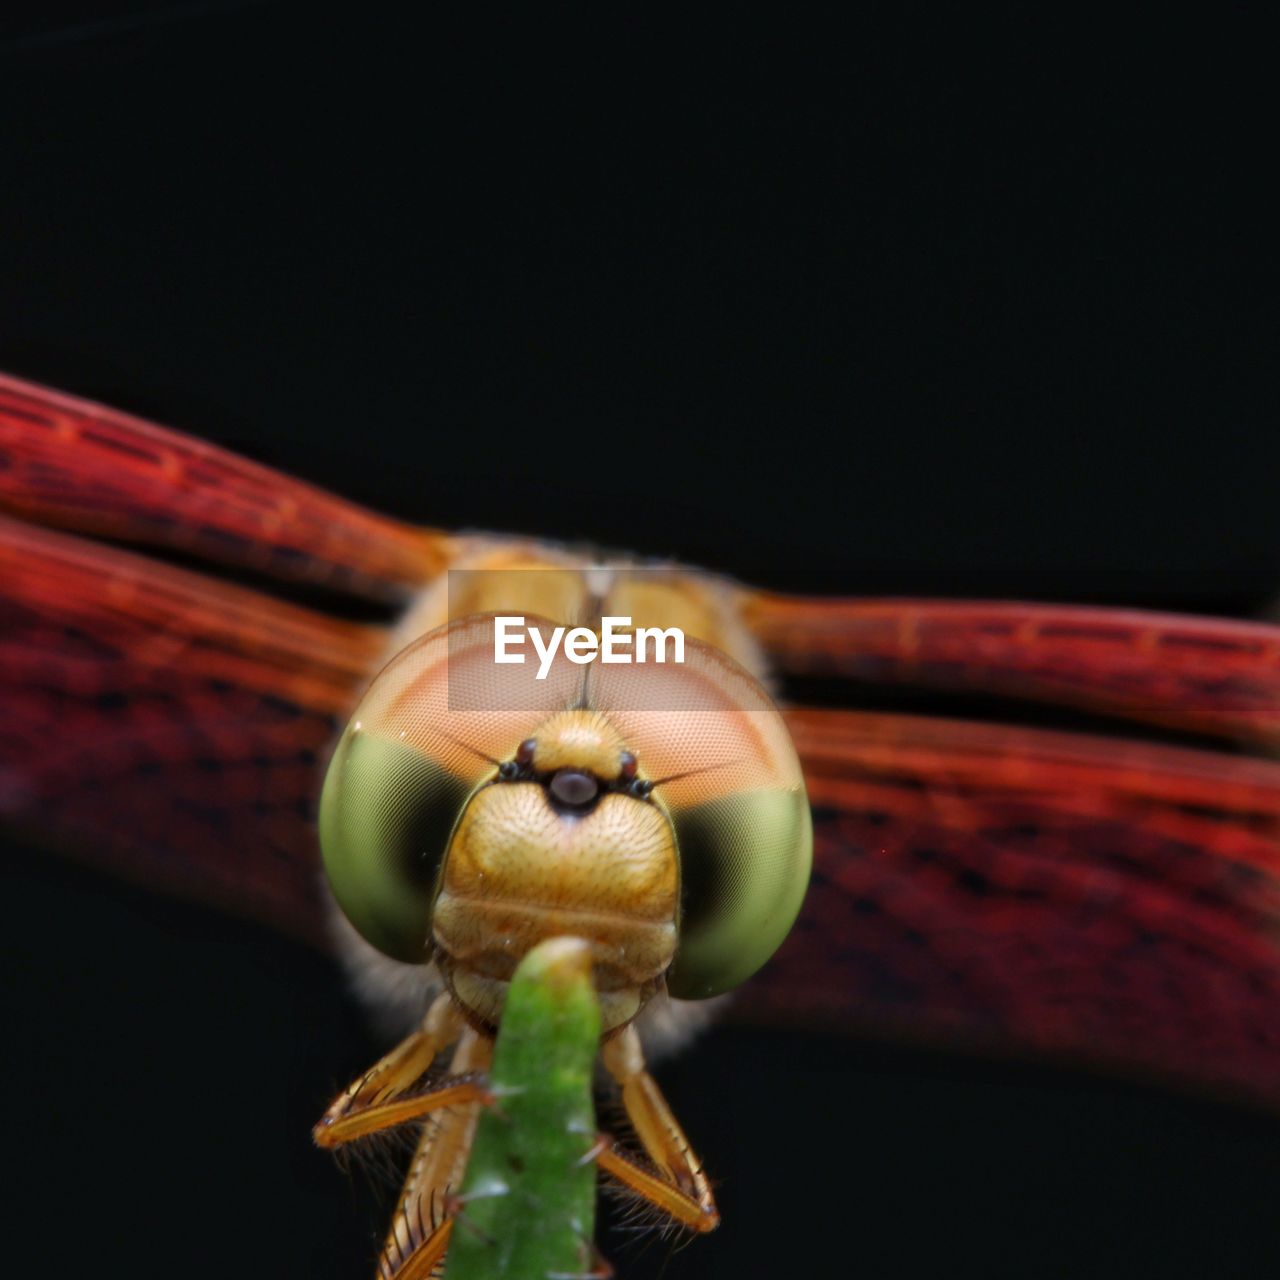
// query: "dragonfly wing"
[[1035, 892], [1013, 889], [78, 465], [167, 725], [1209, 675]]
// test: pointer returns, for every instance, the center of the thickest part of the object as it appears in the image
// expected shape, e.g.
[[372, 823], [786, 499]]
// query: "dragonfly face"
[[553, 846], [473, 809]]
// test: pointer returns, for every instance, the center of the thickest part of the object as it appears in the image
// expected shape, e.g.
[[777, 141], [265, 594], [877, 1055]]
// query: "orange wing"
[[168, 723], [1208, 675], [78, 465], [1040, 892]]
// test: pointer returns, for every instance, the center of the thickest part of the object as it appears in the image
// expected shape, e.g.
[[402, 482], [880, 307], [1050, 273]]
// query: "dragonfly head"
[[473, 809]]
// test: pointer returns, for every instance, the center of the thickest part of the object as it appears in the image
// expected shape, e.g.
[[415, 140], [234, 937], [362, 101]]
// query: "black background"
[[900, 307]]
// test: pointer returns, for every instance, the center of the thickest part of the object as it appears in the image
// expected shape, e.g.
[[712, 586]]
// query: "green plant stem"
[[528, 1200]]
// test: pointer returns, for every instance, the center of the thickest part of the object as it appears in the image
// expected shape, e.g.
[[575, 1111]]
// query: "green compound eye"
[[745, 862], [722, 766], [386, 814], [422, 739]]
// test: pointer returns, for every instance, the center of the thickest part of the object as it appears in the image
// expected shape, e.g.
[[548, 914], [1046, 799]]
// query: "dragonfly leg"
[[380, 1098], [423, 1259], [679, 1187], [424, 1217]]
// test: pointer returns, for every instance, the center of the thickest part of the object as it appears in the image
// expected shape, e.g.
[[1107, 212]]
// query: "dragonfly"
[[1006, 889]]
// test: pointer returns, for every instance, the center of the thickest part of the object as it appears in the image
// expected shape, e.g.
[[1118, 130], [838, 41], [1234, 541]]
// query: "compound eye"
[[422, 741], [745, 860], [721, 765], [386, 814], [573, 788]]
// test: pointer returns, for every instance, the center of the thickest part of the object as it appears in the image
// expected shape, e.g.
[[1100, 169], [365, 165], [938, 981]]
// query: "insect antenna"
[[584, 690], [692, 773], [466, 746]]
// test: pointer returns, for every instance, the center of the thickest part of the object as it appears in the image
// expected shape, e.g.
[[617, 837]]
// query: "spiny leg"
[[379, 1098], [423, 1221], [680, 1189]]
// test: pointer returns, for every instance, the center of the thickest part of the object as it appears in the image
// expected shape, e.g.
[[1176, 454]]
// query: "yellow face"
[[472, 810], [565, 841]]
